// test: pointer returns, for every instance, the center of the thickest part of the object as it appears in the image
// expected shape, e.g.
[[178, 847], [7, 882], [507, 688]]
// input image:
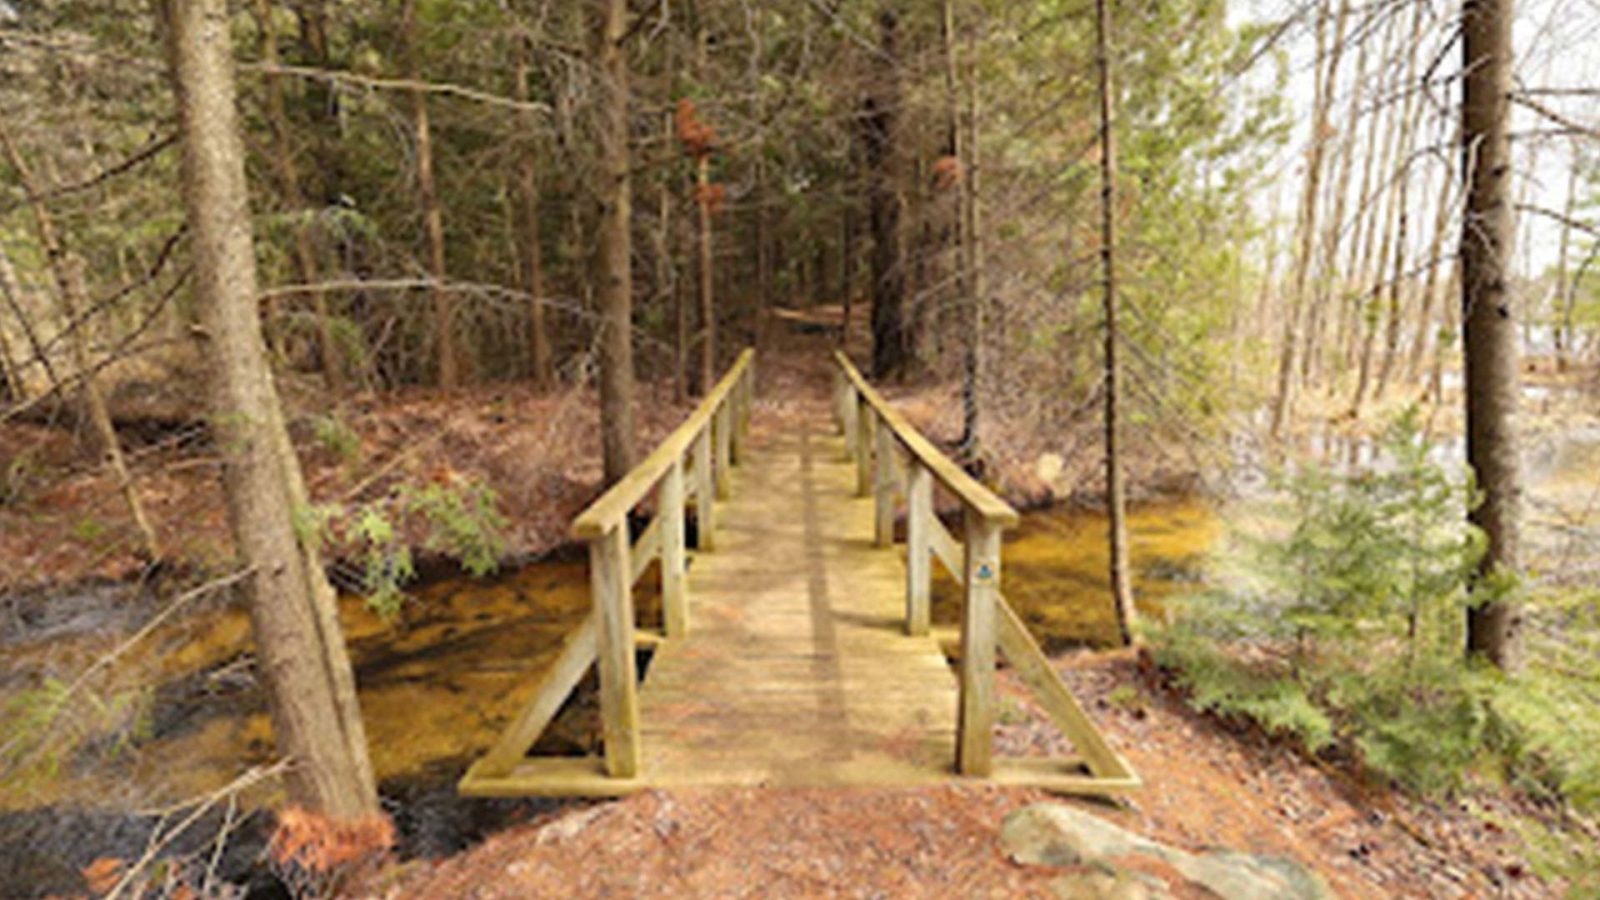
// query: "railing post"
[[619, 697], [850, 419], [721, 422], [705, 493], [674, 605], [883, 488], [919, 558], [975, 728], [866, 427], [736, 419], [839, 401]]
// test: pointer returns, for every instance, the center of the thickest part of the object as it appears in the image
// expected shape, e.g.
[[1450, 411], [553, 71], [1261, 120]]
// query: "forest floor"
[[1206, 786]]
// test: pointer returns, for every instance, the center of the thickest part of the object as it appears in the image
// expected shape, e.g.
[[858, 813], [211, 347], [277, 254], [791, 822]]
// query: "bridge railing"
[[693, 461], [894, 460]]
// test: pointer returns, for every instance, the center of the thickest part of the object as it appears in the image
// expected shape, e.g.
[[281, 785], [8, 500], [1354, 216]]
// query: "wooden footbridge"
[[796, 647]]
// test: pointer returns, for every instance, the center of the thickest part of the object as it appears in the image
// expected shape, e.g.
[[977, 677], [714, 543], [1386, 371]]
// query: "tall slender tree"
[[1116, 502], [614, 251], [73, 300], [1488, 318], [301, 654], [882, 156], [540, 359], [449, 366]]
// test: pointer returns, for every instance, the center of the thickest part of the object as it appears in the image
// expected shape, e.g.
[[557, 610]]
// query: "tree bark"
[[449, 368], [1121, 582], [540, 357], [882, 157], [1305, 231], [1426, 330], [1489, 326], [300, 649], [1566, 292], [972, 349], [305, 254], [614, 253]]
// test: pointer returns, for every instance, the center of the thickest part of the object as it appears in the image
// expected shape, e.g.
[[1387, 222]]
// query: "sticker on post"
[[985, 571]]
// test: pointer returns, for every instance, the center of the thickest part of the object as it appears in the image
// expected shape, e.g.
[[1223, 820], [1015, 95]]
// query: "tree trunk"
[[847, 273], [449, 371], [1488, 323], [1426, 330], [880, 124], [1305, 235], [301, 655], [1330, 298], [1121, 583], [533, 253], [972, 244], [67, 269], [305, 255], [1565, 290], [614, 253]]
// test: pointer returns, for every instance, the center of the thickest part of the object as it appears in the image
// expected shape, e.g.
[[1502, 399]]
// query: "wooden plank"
[[577, 654], [613, 505], [883, 489], [645, 550], [674, 602], [974, 746], [736, 420], [851, 412], [945, 547], [866, 436], [1030, 663], [967, 489], [619, 697], [556, 776], [724, 449], [919, 556], [705, 494]]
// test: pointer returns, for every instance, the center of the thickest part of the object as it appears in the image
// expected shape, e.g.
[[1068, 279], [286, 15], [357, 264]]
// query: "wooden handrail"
[[967, 489], [610, 508]]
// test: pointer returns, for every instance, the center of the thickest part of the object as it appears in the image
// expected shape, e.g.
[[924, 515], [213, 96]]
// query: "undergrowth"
[[1338, 619]]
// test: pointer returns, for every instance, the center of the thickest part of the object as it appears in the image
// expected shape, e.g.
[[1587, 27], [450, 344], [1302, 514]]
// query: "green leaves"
[[1341, 622]]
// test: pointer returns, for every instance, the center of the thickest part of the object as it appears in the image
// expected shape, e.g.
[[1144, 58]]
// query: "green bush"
[[1339, 619]]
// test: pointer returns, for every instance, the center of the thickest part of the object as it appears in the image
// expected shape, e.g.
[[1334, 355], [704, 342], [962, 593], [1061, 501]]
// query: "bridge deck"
[[797, 669], [788, 661]]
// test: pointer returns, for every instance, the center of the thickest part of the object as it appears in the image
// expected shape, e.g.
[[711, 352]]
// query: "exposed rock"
[[1052, 834], [1104, 883]]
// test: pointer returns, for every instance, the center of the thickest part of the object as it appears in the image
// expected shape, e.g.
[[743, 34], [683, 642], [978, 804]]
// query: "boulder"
[[1054, 834]]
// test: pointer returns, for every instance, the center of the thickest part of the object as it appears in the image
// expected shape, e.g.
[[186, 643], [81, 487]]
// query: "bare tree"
[[73, 299]]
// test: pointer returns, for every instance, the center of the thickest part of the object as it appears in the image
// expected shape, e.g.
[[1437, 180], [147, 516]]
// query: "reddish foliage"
[[947, 172], [698, 137], [318, 843], [711, 196], [103, 874]]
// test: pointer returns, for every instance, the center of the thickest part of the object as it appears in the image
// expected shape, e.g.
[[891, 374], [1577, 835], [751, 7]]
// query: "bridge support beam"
[[705, 494], [919, 548], [866, 430], [883, 488], [609, 585], [975, 724], [723, 432], [669, 502]]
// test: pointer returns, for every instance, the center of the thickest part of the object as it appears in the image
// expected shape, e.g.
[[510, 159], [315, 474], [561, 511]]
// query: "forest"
[[397, 396]]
